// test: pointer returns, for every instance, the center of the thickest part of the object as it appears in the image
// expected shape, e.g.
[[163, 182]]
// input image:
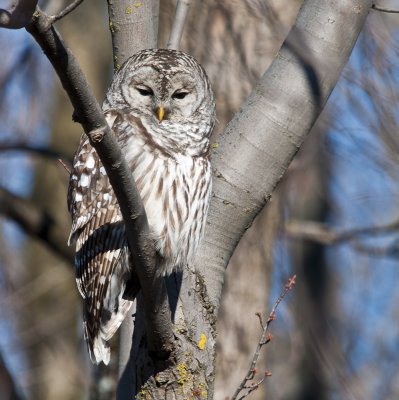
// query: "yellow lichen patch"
[[111, 26], [182, 372], [199, 391], [141, 395], [116, 64], [129, 10], [202, 342], [214, 145]]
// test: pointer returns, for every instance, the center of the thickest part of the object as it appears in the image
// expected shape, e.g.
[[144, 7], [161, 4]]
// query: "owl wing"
[[102, 265]]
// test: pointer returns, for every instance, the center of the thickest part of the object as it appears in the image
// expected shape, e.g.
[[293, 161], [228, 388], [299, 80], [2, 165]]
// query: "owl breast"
[[175, 192]]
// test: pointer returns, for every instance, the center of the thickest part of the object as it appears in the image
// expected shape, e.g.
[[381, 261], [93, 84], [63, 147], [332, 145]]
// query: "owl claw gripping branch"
[[161, 108]]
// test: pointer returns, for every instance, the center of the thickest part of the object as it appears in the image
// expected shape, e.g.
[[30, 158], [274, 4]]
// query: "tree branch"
[[320, 233], [178, 24], [133, 26], [66, 11], [258, 145], [36, 223], [42, 151], [18, 15], [157, 320], [385, 10]]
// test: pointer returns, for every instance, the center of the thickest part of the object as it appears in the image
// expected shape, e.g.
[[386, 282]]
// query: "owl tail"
[[97, 343], [98, 348]]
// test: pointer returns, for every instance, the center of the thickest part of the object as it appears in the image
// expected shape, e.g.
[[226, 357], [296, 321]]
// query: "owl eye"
[[179, 95], [145, 92]]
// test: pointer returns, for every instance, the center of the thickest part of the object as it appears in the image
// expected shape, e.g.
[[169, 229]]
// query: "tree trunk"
[[251, 157]]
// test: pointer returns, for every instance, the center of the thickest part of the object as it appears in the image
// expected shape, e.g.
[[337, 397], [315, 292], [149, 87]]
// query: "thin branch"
[[18, 15], [41, 151], [36, 223], [65, 166], [320, 233], [66, 11], [89, 114], [254, 386], [264, 339], [178, 24], [385, 10]]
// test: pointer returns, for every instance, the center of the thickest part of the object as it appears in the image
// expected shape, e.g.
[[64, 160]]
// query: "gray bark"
[[134, 27], [259, 143]]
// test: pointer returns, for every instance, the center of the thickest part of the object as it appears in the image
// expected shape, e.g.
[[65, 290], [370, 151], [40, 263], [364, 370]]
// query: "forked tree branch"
[[68, 9], [178, 24], [260, 142], [89, 114], [252, 155]]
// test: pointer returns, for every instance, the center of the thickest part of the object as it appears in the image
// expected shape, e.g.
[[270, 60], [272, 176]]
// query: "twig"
[[157, 317], [254, 386], [67, 169], [264, 339], [178, 24], [385, 10], [259, 315], [66, 11], [18, 15]]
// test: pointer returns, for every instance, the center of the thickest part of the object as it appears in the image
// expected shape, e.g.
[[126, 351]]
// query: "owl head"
[[168, 86]]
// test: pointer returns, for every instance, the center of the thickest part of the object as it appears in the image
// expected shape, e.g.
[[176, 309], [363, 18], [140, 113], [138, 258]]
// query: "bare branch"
[[36, 223], [178, 24], [66, 11], [18, 15], [261, 140], [158, 323], [385, 10], [65, 166], [318, 232], [264, 339], [41, 151]]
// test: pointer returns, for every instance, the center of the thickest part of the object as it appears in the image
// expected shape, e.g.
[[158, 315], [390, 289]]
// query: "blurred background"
[[333, 220]]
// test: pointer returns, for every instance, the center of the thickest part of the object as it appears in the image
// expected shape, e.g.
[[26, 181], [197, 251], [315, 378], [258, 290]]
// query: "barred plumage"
[[161, 108]]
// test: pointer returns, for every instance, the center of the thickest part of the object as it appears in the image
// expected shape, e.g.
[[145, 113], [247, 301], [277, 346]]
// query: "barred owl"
[[161, 108]]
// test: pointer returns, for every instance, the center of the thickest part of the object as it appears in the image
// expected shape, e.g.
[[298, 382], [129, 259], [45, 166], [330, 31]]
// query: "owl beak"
[[160, 111]]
